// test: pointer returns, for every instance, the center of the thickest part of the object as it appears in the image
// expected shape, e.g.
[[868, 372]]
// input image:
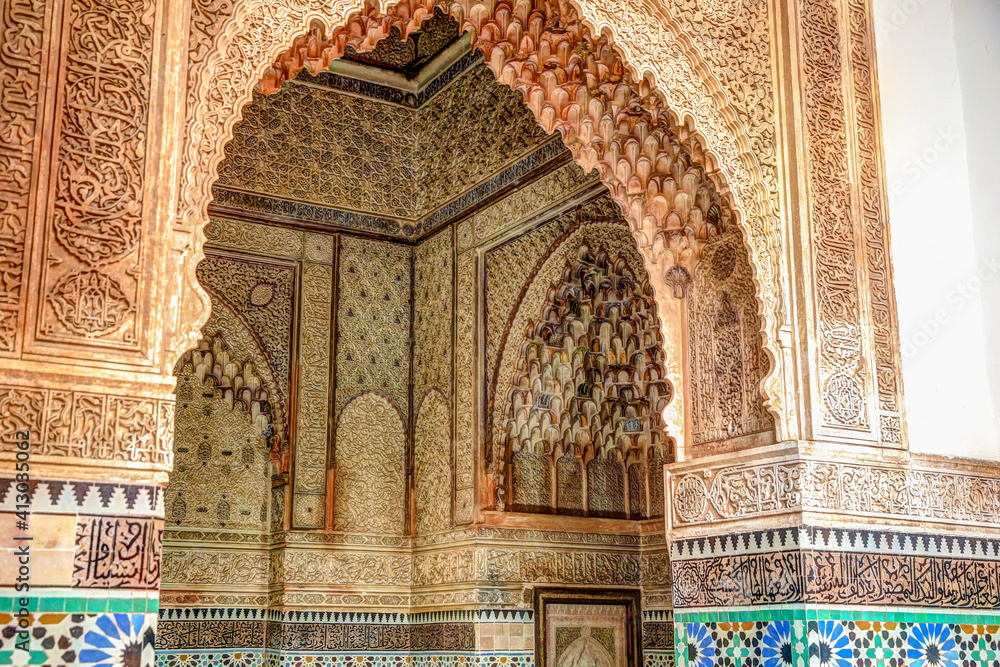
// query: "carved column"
[[87, 104], [838, 548]]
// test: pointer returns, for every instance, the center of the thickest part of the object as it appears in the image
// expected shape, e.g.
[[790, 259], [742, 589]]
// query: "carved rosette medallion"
[[690, 498], [89, 303], [843, 399]]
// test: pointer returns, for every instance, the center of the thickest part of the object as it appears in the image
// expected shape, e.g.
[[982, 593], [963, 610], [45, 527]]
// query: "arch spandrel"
[[253, 47]]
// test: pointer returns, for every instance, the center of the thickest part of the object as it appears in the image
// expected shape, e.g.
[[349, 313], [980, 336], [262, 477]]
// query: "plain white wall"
[[939, 83]]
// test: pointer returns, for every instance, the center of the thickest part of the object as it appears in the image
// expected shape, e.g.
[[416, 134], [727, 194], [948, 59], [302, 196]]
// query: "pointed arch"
[[636, 105]]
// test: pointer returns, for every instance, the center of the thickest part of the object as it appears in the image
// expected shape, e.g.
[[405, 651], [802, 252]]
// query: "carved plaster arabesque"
[[369, 482], [466, 440], [309, 498], [222, 423], [21, 55], [758, 489], [432, 315], [89, 285], [432, 462], [725, 362], [373, 314]]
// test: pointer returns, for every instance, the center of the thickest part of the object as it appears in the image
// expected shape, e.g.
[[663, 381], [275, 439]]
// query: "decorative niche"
[[584, 428]]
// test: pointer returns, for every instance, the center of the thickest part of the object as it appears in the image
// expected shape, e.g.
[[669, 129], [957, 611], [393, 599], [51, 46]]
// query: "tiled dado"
[[60, 638], [93, 570], [230, 636], [658, 638], [837, 637]]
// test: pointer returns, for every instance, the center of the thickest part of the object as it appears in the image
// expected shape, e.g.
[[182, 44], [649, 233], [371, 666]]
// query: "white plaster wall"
[[940, 83]]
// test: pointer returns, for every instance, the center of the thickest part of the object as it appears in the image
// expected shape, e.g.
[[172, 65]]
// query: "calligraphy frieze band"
[[118, 552], [89, 426], [841, 567], [180, 629]]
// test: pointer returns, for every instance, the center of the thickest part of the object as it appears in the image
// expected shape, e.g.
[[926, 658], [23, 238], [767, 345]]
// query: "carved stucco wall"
[[373, 314], [381, 326], [432, 463], [726, 364], [467, 133], [232, 399], [314, 144], [369, 482], [514, 305], [220, 450], [433, 359], [271, 317], [370, 489]]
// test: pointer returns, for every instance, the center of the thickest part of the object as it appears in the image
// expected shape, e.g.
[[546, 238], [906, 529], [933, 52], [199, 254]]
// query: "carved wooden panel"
[[313, 144], [466, 134]]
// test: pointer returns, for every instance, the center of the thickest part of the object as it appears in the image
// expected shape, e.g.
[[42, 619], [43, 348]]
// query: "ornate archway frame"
[[230, 54]]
